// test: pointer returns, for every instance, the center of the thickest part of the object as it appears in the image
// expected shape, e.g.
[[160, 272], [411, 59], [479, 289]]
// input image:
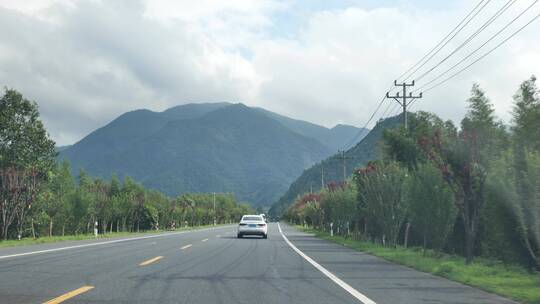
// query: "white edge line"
[[104, 243], [355, 293]]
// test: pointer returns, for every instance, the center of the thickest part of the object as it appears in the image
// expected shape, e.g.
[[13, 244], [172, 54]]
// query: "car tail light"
[[261, 225], [242, 224]]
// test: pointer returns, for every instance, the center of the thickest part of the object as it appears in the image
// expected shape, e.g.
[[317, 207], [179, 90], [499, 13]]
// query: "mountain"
[[61, 148], [214, 147], [336, 138], [366, 150]]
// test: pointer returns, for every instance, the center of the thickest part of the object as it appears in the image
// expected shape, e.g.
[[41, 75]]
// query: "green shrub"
[[444, 269]]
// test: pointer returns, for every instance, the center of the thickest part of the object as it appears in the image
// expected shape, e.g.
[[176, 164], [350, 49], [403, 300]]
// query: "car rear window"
[[252, 218]]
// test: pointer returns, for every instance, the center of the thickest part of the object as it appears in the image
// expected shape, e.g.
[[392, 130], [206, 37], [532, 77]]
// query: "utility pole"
[[322, 176], [403, 102], [214, 208], [214, 194], [344, 158]]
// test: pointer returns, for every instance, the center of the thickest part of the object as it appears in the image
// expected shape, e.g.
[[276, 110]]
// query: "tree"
[[526, 115], [464, 160], [480, 122], [526, 143], [341, 198], [380, 193], [62, 188], [27, 154], [513, 233], [431, 210]]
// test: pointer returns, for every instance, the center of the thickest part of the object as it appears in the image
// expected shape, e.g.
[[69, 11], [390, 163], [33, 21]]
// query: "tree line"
[[472, 190], [40, 197]]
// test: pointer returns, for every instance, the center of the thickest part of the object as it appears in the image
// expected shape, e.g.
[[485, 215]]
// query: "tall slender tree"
[[27, 154]]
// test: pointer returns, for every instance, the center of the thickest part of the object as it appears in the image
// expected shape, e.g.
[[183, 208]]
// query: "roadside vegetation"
[[80, 237], [468, 192], [490, 275], [40, 197]]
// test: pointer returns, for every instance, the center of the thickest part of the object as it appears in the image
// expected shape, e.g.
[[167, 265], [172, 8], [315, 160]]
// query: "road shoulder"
[[384, 281]]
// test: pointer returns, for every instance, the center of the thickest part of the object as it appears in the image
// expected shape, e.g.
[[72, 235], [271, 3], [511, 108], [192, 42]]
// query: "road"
[[213, 266]]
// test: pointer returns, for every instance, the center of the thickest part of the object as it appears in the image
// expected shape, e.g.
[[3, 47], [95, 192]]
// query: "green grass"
[[506, 280], [78, 237]]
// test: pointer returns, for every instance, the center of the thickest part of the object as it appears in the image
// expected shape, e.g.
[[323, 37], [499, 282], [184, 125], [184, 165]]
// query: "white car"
[[252, 225]]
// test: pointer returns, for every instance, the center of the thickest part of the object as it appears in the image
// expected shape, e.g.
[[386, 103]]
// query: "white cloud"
[[86, 62]]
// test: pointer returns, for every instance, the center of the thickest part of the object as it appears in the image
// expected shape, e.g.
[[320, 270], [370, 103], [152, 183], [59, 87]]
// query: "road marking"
[[355, 293], [152, 260], [186, 247], [69, 295], [104, 243], [218, 235], [204, 240]]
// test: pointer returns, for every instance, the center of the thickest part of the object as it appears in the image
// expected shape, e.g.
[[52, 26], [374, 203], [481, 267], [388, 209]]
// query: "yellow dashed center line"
[[69, 295], [204, 240], [152, 260], [186, 247]]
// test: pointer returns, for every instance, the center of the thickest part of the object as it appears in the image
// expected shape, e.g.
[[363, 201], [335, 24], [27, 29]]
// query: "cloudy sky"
[[329, 62]]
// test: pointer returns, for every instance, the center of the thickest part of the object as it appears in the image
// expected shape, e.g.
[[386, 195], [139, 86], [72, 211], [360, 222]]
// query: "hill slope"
[[335, 138], [217, 147], [366, 150]]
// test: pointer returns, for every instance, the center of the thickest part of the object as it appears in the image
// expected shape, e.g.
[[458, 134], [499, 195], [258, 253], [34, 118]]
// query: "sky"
[[327, 62]]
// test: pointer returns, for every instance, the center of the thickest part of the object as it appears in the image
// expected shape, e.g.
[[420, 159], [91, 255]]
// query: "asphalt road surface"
[[213, 266]]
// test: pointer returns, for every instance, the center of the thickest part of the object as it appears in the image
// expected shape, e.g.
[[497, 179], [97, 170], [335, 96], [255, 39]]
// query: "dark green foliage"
[[339, 207], [66, 207], [27, 154], [24, 143], [381, 198], [505, 234], [526, 115], [402, 145], [432, 212]]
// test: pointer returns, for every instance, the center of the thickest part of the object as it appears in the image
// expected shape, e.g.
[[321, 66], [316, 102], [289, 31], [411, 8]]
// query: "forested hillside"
[[330, 170], [218, 147]]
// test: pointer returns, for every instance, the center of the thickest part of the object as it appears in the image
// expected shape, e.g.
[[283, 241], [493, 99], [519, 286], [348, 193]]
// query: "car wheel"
[[265, 236], [239, 236]]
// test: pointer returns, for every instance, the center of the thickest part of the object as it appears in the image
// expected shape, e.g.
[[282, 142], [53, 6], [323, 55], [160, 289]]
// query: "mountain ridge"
[[221, 147]]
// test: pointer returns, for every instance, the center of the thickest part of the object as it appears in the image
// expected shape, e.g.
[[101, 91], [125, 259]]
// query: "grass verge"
[[506, 280], [78, 237]]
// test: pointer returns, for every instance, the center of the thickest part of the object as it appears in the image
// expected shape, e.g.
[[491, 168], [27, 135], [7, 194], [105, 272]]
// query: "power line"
[[471, 37], [411, 104], [461, 25], [453, 33], [484, 55], [364, 128], [477, 49], [396, 109], [440, 42], [390, 104]]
